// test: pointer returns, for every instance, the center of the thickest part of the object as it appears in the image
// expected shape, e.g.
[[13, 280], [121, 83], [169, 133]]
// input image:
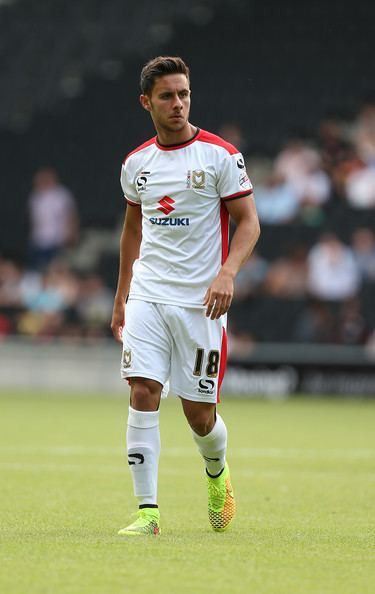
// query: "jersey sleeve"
[[233, 181], [128, 185]]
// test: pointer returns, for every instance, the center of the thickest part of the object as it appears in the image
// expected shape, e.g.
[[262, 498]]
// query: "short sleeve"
[[128, 186], [233, 181]]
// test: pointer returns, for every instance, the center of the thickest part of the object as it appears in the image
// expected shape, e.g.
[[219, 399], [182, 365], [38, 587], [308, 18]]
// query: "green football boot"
[[147, 522], [221, 503]]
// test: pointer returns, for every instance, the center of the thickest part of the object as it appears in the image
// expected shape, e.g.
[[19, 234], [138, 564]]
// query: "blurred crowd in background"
[[310, 279]]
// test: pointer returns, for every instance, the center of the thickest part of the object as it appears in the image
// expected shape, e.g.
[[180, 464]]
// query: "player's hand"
[[219, 295], [118, 321]]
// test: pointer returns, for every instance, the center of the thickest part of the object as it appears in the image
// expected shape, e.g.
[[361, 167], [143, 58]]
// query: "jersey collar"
[[173, 147]]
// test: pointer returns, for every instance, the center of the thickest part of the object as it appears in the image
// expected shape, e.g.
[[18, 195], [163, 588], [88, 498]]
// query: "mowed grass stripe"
[[112, 469], [318, 453], [303, 475]]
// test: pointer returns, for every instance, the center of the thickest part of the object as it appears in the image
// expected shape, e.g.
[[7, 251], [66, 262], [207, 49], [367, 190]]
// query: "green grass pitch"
[[302, 471]]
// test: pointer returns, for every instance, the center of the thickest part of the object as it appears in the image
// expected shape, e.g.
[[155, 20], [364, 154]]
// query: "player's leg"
[[143, 439], [209, 433], [145, 364], [143, 447], [198, 363]]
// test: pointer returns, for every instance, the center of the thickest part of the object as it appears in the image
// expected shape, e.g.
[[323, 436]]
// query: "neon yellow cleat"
[[147, 522], [221, 503]]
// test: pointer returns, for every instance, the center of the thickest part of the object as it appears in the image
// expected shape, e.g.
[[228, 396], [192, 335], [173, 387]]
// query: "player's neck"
[[166, 137]]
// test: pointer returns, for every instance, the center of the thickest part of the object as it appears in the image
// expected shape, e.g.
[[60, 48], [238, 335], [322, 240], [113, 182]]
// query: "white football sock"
[[213, 447], [143, 444]]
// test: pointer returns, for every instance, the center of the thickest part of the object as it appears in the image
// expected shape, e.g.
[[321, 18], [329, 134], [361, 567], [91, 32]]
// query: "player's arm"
[[220, 294], [130, 242]]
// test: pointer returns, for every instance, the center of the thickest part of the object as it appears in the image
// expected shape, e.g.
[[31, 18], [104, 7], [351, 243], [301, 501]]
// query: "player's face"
[[169, 103]]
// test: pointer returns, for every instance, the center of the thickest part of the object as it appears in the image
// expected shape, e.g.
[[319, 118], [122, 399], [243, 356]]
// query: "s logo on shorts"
[[206, 386], [126, 358]]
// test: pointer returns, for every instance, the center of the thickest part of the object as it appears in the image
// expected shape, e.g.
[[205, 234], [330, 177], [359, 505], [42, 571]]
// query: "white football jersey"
[[182, 190]]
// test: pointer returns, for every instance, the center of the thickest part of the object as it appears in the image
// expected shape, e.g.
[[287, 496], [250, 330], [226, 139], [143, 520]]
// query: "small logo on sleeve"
[[244, 181], [141, 181]]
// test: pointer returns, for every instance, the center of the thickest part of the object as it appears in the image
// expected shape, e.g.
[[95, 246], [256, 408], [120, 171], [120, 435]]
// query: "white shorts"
[[176, 344]]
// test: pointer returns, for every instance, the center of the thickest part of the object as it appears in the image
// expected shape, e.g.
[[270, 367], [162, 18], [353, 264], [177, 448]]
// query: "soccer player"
[[175, 284]]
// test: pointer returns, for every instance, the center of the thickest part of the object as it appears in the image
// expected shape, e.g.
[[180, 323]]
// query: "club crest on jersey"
[[196, 179], [126, 358]]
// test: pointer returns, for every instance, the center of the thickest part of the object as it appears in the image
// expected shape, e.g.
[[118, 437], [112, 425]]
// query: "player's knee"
[[145, 395], [202, 422]]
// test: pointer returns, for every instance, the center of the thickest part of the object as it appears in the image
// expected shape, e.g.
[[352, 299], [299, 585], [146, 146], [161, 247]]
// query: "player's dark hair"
[[161, 66]]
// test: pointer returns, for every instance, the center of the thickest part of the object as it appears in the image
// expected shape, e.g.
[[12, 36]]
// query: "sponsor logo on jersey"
[[244, 180], [166, 205], [126, 358], [240, 163], [142, 180], [196, 179], [206, 386], [171, 222]]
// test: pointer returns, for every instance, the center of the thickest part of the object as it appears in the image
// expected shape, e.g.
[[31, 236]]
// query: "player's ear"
[[145, 102]]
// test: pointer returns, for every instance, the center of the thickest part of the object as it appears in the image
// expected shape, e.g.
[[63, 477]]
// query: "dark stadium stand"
[[69, 80]]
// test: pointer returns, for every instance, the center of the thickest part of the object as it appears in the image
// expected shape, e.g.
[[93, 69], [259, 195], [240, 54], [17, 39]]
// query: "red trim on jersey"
[[201, 135], [139, 148], [223, 361], [131, 203], [238, 195], [224, 224], [214, 139]]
